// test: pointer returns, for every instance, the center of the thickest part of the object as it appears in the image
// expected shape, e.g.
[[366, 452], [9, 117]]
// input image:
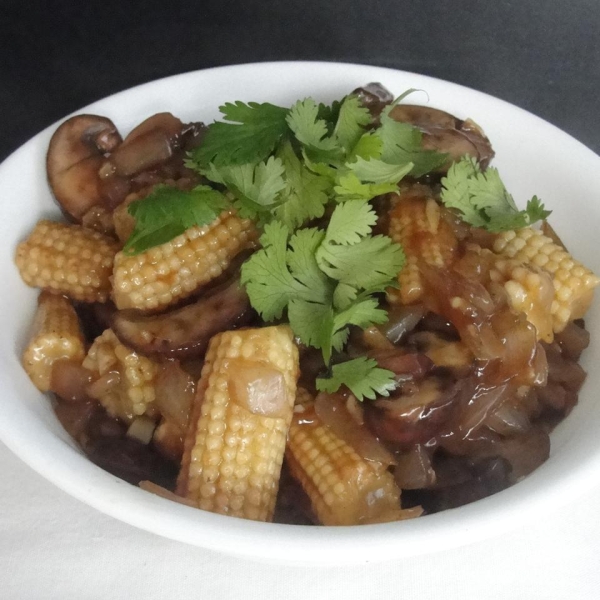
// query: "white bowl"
[[534, 158]]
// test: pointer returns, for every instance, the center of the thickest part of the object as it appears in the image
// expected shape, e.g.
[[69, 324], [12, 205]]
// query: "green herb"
[[168, 211], [483, 201], [361, 376], [251, 135], [325, 279]]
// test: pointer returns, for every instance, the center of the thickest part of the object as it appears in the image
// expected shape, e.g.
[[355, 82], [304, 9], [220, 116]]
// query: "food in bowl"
[[322, 314]]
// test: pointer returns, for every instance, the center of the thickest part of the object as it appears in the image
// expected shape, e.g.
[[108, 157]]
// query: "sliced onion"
[[142, 429], [332, 410], [258, 387], [401, 321], [175, 392], [413, 470], [69, 380], [507, 420], [105, 384]]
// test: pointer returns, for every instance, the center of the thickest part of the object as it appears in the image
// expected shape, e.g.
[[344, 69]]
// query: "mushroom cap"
[[75, 154]]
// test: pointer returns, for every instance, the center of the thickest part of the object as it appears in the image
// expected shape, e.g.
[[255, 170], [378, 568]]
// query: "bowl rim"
[[504, 511]]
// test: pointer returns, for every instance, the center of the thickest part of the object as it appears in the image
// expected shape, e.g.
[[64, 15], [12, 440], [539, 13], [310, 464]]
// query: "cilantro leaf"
[[251, 135], [167, 212], [402, 144], [368, 146], [361, 376], [352, 120], [349, 222], [378, 171], [254, 187], [483, 200], [313, 323], [270, 283], [350, 187], [348, 264], [305, 193]]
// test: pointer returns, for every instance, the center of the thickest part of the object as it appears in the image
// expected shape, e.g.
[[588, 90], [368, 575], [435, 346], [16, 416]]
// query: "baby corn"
[[344, 488], [67, 259], [573, 283], [416, 224], [236, 440], [56, 336], [170, 272], [124, 380]]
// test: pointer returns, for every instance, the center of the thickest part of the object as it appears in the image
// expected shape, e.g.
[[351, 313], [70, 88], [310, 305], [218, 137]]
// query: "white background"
[[54, 547]]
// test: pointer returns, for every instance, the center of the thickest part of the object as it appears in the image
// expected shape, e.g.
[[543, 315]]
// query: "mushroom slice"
[[185, 331], [75, 154], [149, 145], [446, 133]]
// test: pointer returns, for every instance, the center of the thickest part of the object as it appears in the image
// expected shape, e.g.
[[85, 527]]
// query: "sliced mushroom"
[[185, 331], [149, 145], [446, 133], [374, 96], [408, 419], [75, 155]]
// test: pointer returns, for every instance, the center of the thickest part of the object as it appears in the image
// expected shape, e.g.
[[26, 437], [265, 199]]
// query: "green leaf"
[[378, 171], [361, 376], [350, 187], [483, 201], [372, 264], [167, 212], [313, 323], [305, 193], [402, 144], [254, 187], [349, 222], [352, 120], [250, 136], [368, 146], [303, 119]]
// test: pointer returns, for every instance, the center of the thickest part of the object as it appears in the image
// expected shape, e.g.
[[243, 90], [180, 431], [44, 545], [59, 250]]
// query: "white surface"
[[533, 156], [53, 547]]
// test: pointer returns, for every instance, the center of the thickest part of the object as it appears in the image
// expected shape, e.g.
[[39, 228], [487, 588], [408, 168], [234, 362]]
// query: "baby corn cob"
[[573, 283], [416, 224], [344, 488], [170, 272], [56, 336], [236, 440], [124, 380], [530, 291], [67, 259]]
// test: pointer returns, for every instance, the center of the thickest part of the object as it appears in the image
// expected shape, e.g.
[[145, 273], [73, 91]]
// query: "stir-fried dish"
[[323, 314]]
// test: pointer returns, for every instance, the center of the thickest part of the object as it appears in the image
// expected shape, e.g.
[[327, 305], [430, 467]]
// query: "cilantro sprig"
[[168, 211], [324, 279], [483, 201]]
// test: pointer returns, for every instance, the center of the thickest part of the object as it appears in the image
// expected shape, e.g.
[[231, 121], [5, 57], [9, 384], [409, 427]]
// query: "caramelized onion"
[[104, 384], [258, 387], [413, 470], [401, 321], [69, 380], [332, 410], [175, 392], [507, 420]]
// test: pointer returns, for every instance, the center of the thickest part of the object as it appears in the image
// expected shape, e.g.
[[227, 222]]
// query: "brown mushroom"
[[185, 331], [75, 154], [149, 145], [446, 133]]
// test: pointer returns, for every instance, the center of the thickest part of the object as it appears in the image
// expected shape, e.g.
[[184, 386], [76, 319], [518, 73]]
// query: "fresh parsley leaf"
[[167, 212], [305, 194], [378, 171], [361, 376], [250, 136], [482, 199], [352, 120], [402, 144]]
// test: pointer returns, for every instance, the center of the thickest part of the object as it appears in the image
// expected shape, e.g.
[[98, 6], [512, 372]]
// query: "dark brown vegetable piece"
[[185, 331], [75, 155]]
